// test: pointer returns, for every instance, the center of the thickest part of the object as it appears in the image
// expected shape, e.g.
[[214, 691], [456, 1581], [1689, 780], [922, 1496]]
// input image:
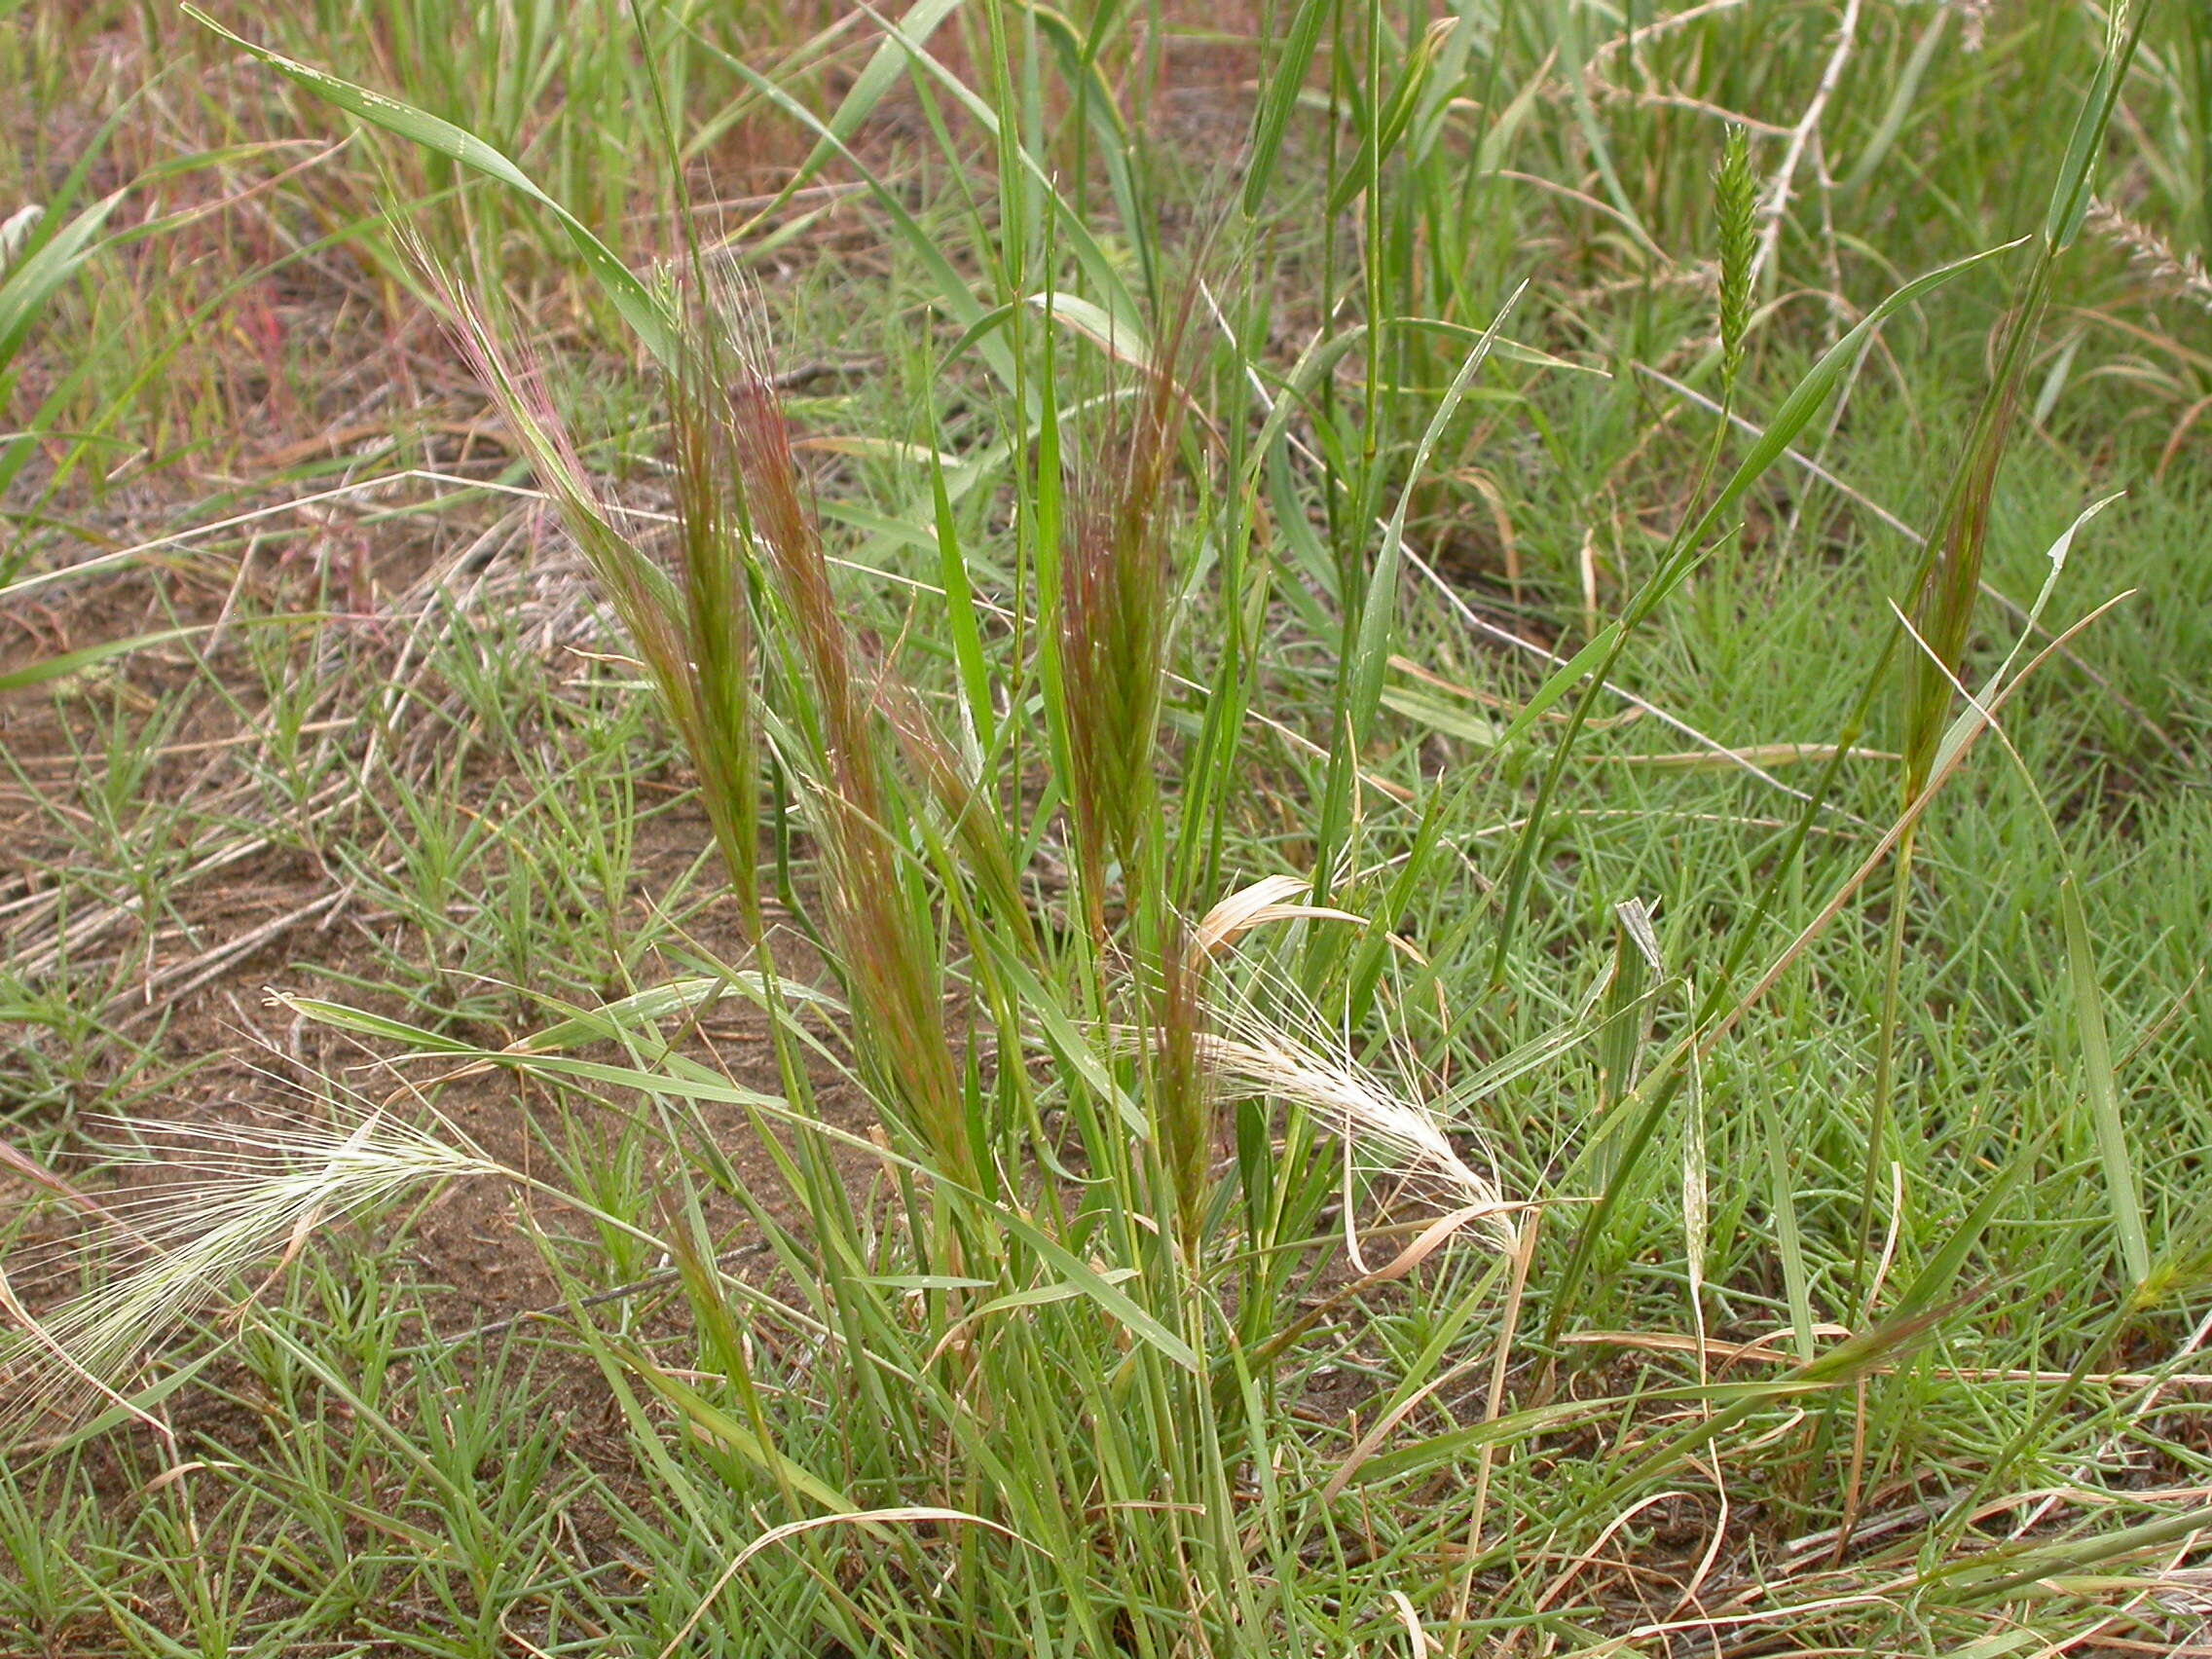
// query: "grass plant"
[[999, 831]]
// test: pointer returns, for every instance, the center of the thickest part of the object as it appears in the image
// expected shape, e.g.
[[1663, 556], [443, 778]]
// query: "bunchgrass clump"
[[1204, 1087]]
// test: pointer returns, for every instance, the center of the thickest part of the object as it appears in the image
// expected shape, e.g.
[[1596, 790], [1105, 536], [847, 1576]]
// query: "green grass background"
[[2021, 1470]]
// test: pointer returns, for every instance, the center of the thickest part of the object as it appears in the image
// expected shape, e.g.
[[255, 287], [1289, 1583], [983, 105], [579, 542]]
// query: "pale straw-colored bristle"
[[1267, 1038], [1973, 22], [2179, 275], [237, 1196]]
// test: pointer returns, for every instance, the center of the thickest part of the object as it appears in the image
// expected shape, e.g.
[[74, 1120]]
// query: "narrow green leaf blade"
[[2102, 1086], [638, 305], [1285, 80]]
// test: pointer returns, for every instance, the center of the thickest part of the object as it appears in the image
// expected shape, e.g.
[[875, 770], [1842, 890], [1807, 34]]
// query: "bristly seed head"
[[1267, 1038], [1734, 209], [1117, 588], [241, 1194]]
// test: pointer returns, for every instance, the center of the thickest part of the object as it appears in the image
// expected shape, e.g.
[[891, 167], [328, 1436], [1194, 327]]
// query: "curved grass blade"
[[1691, 547], [31, 280], [638, 305]]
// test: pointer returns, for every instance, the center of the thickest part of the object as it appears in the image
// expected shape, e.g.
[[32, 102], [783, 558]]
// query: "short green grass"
[[882, 853]]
